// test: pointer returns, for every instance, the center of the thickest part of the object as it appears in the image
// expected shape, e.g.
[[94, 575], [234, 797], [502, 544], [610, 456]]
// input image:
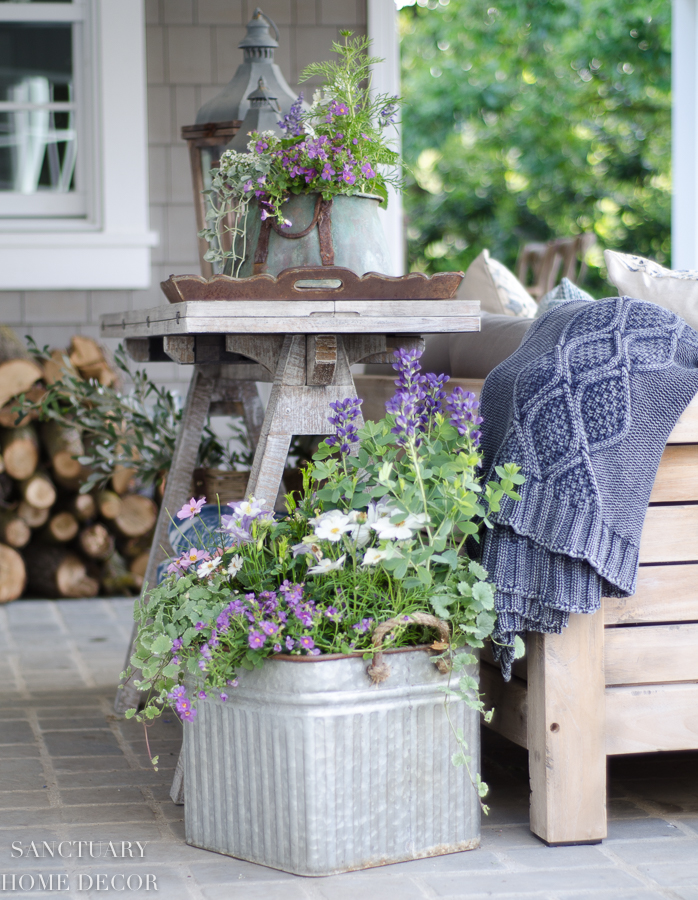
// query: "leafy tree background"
[[526, 121]]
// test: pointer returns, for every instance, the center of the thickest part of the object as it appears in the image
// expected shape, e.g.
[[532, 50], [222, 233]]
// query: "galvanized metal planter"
[[310, 769]]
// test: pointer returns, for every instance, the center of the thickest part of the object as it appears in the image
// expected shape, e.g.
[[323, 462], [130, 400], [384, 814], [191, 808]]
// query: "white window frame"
[[107, 245]]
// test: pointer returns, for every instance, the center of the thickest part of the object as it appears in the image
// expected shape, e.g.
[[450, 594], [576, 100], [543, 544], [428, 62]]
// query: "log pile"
[[54, 541]]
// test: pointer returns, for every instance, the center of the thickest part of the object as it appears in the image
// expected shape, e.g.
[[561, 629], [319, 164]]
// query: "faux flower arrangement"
[[379, 532], [337, 146]]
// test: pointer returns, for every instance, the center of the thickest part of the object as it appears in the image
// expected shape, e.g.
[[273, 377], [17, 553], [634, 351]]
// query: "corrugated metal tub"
[[310, 769]]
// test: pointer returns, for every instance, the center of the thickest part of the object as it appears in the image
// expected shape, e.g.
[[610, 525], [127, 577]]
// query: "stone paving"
[[71, 771]]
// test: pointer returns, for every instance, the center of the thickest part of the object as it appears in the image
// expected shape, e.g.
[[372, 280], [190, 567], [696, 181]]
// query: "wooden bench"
[[624, 680]]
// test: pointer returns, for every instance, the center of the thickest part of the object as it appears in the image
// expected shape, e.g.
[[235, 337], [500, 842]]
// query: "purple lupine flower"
[[463, 407], [292, 122], [408, 402], [434, 397], [344, 421], [256, 639]]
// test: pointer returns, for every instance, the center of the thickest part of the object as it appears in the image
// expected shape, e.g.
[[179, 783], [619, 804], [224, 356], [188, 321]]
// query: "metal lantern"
[[219, 120]]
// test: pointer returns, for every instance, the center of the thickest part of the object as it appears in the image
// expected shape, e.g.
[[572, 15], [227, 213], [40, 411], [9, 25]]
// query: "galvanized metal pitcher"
[[344, 231]]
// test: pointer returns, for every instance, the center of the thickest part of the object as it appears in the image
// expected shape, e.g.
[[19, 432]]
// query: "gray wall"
[[191, 52]]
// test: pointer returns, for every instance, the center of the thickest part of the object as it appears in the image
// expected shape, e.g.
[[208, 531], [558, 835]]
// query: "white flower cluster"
[[358, 525]]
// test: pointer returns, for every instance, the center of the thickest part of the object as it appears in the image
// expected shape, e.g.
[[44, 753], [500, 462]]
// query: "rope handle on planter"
[[379, 670]]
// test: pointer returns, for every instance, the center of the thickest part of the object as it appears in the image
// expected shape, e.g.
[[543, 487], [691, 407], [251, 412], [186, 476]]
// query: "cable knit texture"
[[584, 406]]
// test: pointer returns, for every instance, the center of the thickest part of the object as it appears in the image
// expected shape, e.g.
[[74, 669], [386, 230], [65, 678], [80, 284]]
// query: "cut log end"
[[136, 516], [13, 574], [38, 491], [96, 542]]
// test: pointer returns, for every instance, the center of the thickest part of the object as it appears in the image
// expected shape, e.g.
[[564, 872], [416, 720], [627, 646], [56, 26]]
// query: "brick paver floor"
[[71, 771]]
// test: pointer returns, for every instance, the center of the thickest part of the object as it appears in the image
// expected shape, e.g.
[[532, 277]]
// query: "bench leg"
[[566, 732]]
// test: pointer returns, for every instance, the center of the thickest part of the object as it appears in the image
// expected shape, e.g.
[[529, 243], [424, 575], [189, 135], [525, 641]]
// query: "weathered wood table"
[[305, 346]]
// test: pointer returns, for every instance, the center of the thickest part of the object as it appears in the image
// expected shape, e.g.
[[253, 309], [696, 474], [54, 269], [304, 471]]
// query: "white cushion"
[[474, 354], [674, 289], [497, 289]]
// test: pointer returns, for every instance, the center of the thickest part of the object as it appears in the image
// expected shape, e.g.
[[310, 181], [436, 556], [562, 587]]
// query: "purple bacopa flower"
[[202, 695], [277, 648], [306, 642], [346, 411], [366, 169], [327, 172], [434, 396], [177, 692], [292, 122], [348, 174], [463, 408], [200, 625], [264, 215], [269, 628], [256, 639], [205, 652], [223, 696], [202, 665], [261, 146], [363, 626], [290, 643], [177, 643]]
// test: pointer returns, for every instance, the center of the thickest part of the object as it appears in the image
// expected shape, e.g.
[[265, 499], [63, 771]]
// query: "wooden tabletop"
[[295, 317]]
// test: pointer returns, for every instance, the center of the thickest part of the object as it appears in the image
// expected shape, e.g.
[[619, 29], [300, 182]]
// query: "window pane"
[[38, 140]]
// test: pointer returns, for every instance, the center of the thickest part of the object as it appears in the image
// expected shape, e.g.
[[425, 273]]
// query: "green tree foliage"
[[531, 120]]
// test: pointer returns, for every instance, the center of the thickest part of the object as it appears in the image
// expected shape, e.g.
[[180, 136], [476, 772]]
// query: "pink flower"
[[191, 509], [192, 556]]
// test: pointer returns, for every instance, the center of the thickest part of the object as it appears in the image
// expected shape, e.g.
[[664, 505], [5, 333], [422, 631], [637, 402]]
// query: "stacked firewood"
[[55, 541]]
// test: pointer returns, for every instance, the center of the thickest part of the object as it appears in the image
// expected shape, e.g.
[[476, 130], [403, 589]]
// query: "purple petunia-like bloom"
[[182, 704], [367, 170], [347, 174], [346, 411], [256, 639], [292, 122], [463, 407], [306, 642]]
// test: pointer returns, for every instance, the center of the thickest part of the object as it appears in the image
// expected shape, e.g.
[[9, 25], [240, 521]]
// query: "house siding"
[[192, 52]]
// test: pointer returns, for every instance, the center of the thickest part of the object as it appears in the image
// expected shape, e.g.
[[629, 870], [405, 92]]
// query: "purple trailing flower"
[[223, 696], [363, 626], [205, 652], [261, 146], [177, 644], [346, 411], [306, 642], [202, 695], [348, 174], [290, 643], [256, 639], [182, 704], [269, 628], [366, 169], [327, 172], [277, 648], [463, 408], [292, 122]]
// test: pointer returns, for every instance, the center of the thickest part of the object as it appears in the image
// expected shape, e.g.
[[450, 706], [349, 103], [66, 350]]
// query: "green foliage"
[[526, 121], [136, 430]]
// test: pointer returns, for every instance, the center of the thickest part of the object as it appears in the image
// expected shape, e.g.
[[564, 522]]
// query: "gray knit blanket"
[[584, 406]]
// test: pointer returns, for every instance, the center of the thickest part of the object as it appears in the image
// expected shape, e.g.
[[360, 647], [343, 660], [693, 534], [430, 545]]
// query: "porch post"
[[684, 131]]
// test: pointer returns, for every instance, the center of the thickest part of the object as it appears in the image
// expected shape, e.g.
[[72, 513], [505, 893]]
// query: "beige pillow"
[[674, 289], [497, 289], [474, 354]]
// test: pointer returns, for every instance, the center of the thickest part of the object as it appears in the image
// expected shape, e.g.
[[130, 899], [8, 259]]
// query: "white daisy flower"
[[328, 565], [234, 565], [332, 526], [401, 531], [208, 566], [374, 555]]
